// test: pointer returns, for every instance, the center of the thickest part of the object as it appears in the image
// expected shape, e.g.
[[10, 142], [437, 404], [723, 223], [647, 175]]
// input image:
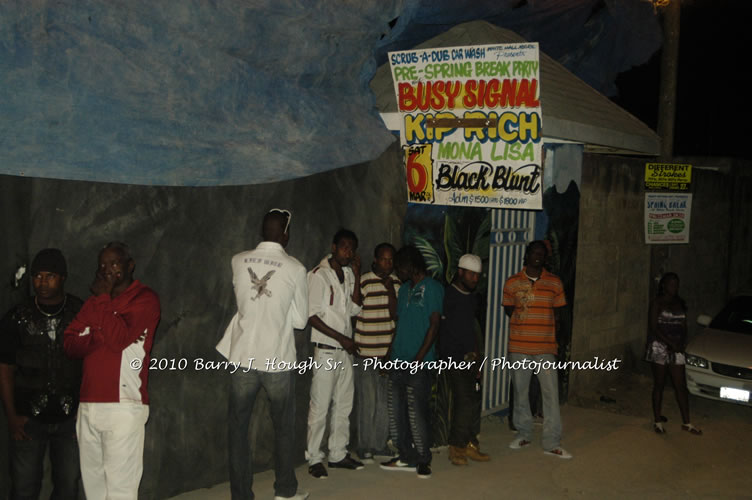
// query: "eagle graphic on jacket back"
[[259, 285]]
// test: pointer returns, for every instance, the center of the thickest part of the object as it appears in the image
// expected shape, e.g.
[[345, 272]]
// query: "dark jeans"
[[372, 416], [465, 422], [280, 387], [27, 459], [409, 415]]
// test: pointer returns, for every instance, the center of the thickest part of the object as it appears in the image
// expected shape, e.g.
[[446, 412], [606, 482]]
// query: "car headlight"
[[697, 361]]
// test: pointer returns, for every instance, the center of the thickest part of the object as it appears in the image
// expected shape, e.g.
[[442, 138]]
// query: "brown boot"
[[473, 451], [457, 455]]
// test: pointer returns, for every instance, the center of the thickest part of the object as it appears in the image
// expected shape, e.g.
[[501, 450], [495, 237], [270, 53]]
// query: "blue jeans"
[[372, 416], [409, 415], [280, 387], [27, 458], [549, 384]]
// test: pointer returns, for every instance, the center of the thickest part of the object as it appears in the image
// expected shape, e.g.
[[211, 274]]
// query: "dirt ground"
[[616, 455]]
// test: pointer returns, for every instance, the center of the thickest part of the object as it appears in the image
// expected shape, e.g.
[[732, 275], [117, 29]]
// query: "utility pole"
[[669, 69], [659, 254]]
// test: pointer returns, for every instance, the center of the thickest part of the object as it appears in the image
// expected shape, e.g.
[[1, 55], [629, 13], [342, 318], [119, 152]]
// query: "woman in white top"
[[667, 338]]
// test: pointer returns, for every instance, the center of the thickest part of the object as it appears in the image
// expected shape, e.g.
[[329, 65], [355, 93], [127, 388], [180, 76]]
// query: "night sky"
[[713, 81]]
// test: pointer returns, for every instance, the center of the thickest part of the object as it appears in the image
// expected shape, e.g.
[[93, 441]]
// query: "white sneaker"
[[519, 443], [397, 464], [559, 452], [301, 495], [366, 457]]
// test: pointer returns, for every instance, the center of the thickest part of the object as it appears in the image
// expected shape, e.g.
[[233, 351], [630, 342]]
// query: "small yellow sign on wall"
[[667, 176]]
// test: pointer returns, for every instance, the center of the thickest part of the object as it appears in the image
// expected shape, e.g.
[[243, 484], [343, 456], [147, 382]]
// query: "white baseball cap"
[[471, 263]]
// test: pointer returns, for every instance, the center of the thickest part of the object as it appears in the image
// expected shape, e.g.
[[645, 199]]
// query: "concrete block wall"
[[617, 271], [716, 263], [703, 264], [613, 264]]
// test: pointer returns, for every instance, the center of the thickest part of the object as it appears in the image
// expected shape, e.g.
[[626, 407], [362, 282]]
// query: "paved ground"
[[616, 455]]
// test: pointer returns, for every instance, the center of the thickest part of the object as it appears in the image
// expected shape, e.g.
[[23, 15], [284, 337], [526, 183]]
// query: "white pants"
[[332, 382], [111, 446]]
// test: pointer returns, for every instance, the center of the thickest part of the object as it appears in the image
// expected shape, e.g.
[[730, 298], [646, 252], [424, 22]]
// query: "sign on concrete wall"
[[471, 124], [667, 217], [668, 176]]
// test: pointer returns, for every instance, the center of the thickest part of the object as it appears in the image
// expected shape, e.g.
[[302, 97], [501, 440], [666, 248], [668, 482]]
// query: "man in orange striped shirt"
[[531, 300]]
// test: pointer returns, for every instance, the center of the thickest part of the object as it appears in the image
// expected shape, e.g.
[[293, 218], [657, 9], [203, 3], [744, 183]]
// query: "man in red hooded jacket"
[[113, 333]]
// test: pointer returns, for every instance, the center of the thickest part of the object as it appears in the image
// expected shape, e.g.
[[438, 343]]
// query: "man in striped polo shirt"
[[374, 330], [532, 298]]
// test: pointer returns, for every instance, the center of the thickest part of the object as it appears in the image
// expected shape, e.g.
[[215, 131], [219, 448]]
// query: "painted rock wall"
[[239, 92], [182, 240]]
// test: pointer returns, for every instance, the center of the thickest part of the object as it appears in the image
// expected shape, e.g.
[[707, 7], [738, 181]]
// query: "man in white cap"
[[459, 342]]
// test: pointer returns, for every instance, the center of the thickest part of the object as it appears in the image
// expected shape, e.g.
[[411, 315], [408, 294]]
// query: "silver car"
[[719, 359]]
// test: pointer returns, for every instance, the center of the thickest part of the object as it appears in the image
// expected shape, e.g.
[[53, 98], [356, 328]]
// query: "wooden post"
[[669, 67], [660, 254]]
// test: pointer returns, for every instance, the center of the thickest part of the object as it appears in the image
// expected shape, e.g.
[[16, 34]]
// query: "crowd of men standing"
[[398, 312], [73, 374]]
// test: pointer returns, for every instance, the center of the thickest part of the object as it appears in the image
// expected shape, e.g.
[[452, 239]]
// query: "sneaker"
[[473, 452], [692, 429], [397, 464], [559, 452], [366, 457], [318, 471], [301, 495], [519, 443], [348, 463], [424, 471]]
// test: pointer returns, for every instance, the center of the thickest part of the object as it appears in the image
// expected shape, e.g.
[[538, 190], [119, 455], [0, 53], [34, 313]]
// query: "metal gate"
[[511, 231]]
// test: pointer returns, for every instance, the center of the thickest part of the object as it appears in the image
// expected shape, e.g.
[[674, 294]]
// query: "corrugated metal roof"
[[572, 110]]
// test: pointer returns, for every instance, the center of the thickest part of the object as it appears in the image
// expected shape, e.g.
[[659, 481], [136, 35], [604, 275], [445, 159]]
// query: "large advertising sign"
[[667, 217], [470, 124]]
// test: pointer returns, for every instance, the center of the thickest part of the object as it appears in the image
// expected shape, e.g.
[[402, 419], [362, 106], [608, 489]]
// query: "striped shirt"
[[374, 329], [532, 327]]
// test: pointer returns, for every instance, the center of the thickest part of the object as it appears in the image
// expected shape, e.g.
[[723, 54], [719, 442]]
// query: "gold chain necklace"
[[49, 315]]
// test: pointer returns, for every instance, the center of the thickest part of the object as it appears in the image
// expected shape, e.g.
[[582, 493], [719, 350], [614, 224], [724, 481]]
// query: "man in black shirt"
[[39, 385], [458, 341]]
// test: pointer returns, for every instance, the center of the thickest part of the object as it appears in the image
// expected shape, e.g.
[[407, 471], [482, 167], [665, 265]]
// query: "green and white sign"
[[667, 217]]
